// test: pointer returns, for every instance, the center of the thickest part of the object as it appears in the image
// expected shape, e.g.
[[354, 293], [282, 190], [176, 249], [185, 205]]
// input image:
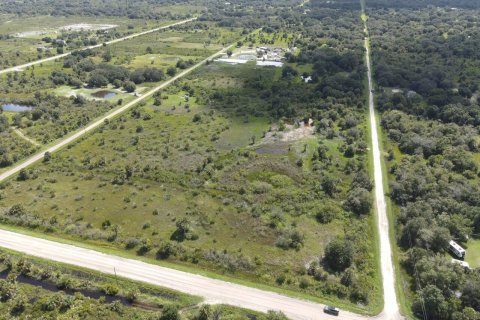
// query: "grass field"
[[27, 33], [194, 162], [473, 253]]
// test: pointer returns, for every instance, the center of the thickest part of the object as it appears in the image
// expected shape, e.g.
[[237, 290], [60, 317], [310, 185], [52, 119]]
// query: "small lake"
[[103, 94], [15, 107]]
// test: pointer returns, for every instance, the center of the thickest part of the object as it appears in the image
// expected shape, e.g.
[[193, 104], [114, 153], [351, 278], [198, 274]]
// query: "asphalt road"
[[391, 310], [213, 291], [23, 66]]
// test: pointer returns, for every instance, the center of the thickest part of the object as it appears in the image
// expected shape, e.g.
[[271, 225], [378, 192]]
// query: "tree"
[[23, 175], [107, 56], [328, 185], [229, 53], [171, 71], [129, 86], [3, 123], [431, 300], [289, 71], [339, 254], [47, 157], [170, 312], [75, 82], [359, 201], [184, 231], [97, 80], [471, 293]]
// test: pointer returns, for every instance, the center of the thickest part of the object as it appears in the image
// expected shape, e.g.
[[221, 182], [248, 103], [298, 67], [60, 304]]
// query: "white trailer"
[[457, 250]]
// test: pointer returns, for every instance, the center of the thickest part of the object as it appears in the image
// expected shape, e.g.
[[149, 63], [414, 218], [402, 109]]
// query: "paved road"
[[23, 66], [391, 310], [214, 291], [79, 133]]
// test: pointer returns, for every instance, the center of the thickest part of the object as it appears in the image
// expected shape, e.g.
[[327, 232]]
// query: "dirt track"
[[391, 310], [23, 66]]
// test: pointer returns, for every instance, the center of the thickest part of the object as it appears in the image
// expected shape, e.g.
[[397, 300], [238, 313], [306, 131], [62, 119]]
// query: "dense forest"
[[426, 66]]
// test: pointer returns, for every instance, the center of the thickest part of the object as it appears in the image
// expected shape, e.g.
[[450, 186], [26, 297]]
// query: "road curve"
[[21, 67], [214, 291], [391, 310]]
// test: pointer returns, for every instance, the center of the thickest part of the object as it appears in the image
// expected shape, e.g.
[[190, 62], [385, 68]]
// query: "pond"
[[11, 107], [103, 94]]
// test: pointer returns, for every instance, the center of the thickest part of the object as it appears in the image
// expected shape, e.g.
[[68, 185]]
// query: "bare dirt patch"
[[87, 26], [289, 132]]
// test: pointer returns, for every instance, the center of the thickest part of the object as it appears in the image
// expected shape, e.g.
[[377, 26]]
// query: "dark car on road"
[[331, 310]]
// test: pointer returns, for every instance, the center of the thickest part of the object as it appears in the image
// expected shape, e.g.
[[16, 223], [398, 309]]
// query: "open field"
[[24, 39], [73, 103], [175, 180], [473, 253], [244, 172]]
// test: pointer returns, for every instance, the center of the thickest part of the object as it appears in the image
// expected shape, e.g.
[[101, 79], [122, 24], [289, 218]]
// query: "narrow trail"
[[83, 131], [20, 68], [391, 309], [24, 137]]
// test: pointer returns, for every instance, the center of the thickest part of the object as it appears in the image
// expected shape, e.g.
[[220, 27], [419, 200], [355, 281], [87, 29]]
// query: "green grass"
[[241, 131], [108, 249], [473, 253], [85, 198]]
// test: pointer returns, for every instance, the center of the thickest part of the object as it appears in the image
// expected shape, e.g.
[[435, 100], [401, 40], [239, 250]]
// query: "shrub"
[[338, 254], [110, 289], [129, 86], [170, 312]]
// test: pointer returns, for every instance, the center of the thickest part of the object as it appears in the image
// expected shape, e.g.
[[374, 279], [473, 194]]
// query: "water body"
[[103, 94], [15, 107]]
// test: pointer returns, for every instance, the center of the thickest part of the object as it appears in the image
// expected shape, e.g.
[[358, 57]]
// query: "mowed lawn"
[[473, 253]]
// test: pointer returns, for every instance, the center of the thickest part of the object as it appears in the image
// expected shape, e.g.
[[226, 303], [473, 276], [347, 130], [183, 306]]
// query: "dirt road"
[[391, 310], [213, 291], [23, 66], [79, 133]]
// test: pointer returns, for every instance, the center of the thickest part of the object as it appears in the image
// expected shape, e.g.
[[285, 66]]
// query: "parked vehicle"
[[331, 310], [456, 249]]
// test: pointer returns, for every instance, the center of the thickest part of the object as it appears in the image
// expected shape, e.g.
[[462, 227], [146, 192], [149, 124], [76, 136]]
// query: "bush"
[[170, 312], [290, 239], [166, 250], [359, 201], [129, 86], [338, 254], [132, 295], [110, 289], [131, 243]]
